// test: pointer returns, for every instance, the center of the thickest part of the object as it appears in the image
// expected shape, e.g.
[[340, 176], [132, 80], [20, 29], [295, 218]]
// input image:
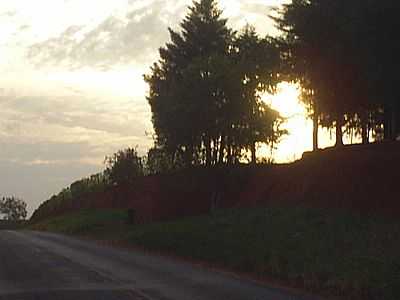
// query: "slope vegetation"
[[355, 178]]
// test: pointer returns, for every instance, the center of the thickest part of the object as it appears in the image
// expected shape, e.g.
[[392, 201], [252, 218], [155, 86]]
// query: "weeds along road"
[[45, 266]]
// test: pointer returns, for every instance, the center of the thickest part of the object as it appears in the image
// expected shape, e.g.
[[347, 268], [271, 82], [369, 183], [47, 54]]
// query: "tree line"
[[345, 56], [205, 88], [205, 91], [123, 167]]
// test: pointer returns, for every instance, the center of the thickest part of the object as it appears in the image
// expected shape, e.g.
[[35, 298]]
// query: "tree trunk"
[[236, 155], [215, 151], [189, 155], [229, 158], [364, 127], [173, 155], [394, 125], [208, 151], [221, 150], [387, 131], [253, 153], [339, 130], [315, 131], [230, 152]]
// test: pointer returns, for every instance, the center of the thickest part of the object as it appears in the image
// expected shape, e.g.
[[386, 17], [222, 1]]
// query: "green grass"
[[95, 223], [328, 252]]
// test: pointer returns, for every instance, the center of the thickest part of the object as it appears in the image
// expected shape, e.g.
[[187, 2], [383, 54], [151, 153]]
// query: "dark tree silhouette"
[[204, 91], [343, 54], [312, 50], [159, 161], [124, 167], [258, 61], [182, 91], [379, 48]]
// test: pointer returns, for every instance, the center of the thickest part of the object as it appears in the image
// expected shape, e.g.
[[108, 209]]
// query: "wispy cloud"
[[8, 14], [131, 39]]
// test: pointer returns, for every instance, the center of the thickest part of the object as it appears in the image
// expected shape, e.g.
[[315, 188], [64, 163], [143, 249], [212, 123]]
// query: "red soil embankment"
[[357, 178]]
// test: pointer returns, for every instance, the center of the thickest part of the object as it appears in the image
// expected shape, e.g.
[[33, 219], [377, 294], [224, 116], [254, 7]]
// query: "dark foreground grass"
[[102, 224], [327, 252]]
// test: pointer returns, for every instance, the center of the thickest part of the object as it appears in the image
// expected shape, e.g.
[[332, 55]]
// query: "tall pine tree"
[[183, 94], [205, 90]]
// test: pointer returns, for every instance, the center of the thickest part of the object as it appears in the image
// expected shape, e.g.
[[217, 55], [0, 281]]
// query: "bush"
[[124, 167]]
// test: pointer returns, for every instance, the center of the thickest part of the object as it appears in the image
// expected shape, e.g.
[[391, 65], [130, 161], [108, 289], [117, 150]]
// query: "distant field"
[[322, 251]]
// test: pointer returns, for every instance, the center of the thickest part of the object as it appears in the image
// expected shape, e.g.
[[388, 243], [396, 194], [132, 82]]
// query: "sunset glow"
[[286, 101], [72, 89], [299, 125]]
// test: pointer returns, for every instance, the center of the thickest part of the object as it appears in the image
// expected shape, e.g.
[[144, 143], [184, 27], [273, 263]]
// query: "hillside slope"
[[357, 178]]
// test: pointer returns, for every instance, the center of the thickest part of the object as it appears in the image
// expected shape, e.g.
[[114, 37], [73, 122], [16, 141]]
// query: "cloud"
[[67, 128], [130, 38], [124, 117], [257, 14], [24, 27], [8, 14], [256, 8], [48, 142], [133, 39]]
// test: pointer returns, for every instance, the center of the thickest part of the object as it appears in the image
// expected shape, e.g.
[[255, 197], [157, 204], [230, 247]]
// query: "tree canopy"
[[205, 90], [123, 167], [344, 55]]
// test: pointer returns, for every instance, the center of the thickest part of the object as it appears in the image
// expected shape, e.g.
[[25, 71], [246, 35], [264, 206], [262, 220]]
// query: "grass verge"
[[322, 251]]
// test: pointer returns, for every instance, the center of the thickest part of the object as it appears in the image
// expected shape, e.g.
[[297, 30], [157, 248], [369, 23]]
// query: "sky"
[[72, 89]]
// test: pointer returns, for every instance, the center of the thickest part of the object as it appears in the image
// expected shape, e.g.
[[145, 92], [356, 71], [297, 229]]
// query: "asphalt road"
[[43, 266]]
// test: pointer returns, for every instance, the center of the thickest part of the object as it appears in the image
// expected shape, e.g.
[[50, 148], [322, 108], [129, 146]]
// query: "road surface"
[[43, 266]]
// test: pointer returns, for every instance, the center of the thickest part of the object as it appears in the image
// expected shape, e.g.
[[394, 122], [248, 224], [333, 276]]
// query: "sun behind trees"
[[345, 56], [205, 91]]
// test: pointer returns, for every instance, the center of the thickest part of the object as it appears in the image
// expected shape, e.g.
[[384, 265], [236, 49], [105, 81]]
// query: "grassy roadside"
[[322, 251]]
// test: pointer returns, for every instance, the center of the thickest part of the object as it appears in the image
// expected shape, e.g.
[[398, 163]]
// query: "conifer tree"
[[205, 90]]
